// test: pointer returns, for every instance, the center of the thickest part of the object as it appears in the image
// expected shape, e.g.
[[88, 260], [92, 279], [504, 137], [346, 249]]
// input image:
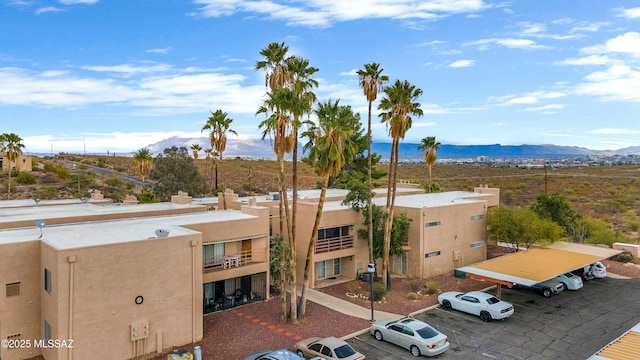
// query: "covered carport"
[[535, 265]]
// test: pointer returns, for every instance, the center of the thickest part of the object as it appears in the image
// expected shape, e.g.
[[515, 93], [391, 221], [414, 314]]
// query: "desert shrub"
[[413, 296], [352, 286], [379, 291], [625, 256], [26, 178], [49, 178], [49, 167], [47, 192], [433, 287], [416, 285]]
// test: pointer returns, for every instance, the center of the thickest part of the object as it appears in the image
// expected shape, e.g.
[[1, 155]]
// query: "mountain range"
[[262, 149]]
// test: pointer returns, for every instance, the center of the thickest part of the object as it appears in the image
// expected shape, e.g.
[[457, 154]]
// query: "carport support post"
[[499, 291]]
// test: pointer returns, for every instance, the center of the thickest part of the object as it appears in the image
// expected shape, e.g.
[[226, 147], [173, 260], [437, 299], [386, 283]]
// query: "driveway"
[[572, 325]]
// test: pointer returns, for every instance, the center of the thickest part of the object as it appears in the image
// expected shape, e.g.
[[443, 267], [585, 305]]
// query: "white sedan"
[[487, 306], [414, 335]]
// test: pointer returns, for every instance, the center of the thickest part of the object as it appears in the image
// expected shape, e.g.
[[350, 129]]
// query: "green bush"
[[352, 286], [379, 291], [413, 296], [433, 287], [26, 178], [47, 192]]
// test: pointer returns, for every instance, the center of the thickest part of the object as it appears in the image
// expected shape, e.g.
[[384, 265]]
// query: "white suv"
[[570, 281]]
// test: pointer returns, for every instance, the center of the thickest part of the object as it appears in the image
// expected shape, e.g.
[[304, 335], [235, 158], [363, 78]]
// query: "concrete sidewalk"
[[346, 307]]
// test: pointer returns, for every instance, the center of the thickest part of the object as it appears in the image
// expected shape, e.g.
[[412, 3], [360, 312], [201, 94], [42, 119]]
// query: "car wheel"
[[299, 352], [546, 293], [565, 286], [415, 351], [485, 316], [446, 305], [377, 335]]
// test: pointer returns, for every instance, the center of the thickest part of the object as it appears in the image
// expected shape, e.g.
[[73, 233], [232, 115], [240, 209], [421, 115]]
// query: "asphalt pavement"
[[572, 325]]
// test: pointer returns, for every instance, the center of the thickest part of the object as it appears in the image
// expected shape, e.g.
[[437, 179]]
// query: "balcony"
[[334, 244], [234, 261]]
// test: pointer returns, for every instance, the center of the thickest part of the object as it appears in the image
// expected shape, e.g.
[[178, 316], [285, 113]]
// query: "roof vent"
[[37, 200], [84, 199], [162, 233], [40, 224]]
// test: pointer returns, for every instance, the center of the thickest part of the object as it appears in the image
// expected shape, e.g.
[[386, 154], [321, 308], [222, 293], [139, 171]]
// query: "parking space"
[[571, 325]]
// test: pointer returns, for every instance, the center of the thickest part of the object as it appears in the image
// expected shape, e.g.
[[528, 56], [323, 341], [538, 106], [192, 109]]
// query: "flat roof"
[[626, 347], [82, 209], [95, 233], [529, 267], [434, 199]]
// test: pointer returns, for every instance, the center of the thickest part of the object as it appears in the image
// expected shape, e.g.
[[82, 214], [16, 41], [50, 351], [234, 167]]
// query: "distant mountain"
[[262, 149]]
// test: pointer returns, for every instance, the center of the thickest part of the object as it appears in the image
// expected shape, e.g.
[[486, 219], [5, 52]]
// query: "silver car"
[[570, 281], [416, 336], [281, 354]]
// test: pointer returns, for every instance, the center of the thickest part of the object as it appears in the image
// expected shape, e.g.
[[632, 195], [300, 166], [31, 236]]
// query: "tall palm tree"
[[276, 126], [143, 162], [330, 148], [195, 147], [398, 105], [372, 82], [209, 154], [430, 146], [11, 144], [275, 56], [300, 81], [218, 125]]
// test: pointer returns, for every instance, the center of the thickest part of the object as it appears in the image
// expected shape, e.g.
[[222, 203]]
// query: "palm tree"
[[209, 154], [275, 56], [143, 162], [399, 105], [11, 145], [372, 81], [218, 125], [430, 147], [276, 126], [195, 147], [301, 83], [330, 148]]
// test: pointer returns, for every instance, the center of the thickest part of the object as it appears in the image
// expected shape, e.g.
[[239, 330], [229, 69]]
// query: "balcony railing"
[[226, 261], [334, 244]]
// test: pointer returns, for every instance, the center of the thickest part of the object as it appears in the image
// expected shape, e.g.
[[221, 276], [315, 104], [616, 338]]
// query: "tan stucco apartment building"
[[126, 280]]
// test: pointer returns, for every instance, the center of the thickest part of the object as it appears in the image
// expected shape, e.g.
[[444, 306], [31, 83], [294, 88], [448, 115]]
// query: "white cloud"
[[612, 131], [323, 13], [618, 82], [159, 50], [588, 60], [632, 13], [547, 109], [48, 9], [462, 63], [512, 43], [628, 43], [129, 69], [530, 98]]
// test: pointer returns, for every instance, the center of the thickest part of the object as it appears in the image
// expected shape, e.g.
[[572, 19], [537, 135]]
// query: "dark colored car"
[[546, 288]]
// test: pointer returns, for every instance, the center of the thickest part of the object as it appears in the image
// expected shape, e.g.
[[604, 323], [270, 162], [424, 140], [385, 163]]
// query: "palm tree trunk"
[[388, 218], [283, 265], [429, 167], [369, 206], [292, 239], [312, 245]]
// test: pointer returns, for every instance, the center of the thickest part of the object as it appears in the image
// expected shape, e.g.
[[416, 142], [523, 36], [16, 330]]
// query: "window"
[[47, 280], [433, 223], [477, 244], [477, 217], [13, 289], [47, 331]]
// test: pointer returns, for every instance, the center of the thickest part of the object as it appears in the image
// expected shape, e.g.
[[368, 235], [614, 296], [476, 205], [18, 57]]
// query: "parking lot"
[[571, 325]]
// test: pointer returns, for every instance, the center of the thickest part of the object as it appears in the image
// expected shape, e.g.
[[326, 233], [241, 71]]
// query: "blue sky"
[[118, 75]]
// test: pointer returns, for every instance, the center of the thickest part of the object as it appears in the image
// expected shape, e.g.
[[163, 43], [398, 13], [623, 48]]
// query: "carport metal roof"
[[536, 265], [626, 347]]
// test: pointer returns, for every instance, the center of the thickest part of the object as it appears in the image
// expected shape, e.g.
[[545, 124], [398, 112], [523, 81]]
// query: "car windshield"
[[344, 351], [599, 265], [492, 300], [427, 332]]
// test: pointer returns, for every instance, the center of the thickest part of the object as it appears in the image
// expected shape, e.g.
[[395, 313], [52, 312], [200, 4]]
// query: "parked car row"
[[420, 338]]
